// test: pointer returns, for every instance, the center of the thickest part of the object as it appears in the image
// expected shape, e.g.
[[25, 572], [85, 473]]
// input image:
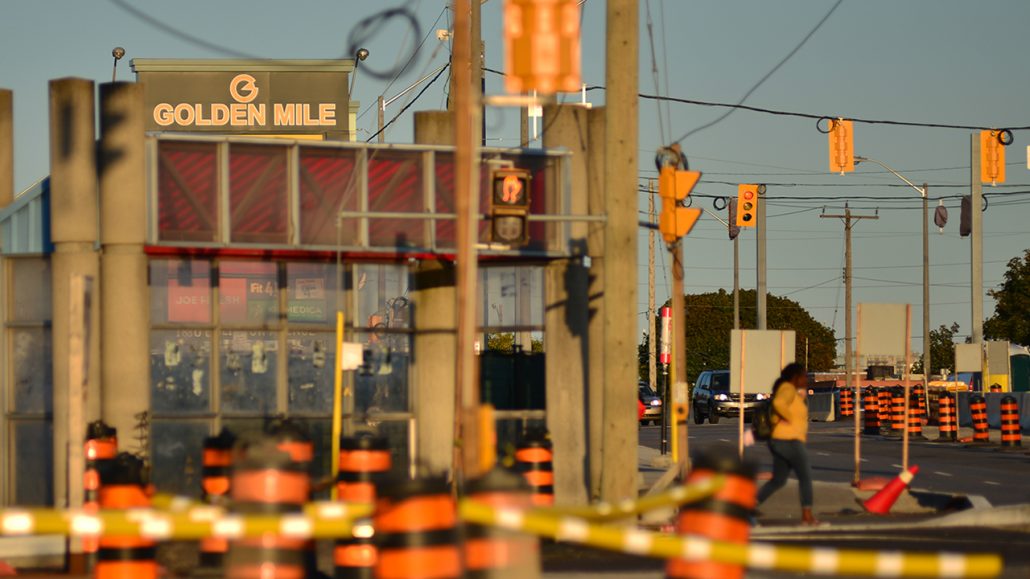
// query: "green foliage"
[[1011, 319], [942, 350], [709, 320], [505, 342]]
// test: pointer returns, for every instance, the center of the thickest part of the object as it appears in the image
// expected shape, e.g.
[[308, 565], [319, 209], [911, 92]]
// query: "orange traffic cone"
[[881, 502]]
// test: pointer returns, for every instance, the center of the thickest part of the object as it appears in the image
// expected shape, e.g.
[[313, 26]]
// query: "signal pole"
[[976, 244], [850, 220], [652, 370], [760, 270]]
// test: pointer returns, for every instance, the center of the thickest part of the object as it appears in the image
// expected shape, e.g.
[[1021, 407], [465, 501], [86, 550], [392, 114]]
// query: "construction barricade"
[[493, 553], [847, 402], [898, 422], [122, 488], [870, 412], [533, 458], [416, 530], [1010, 432], [364, 462], [724, 516], [978, 412], [216, 471], [947, 420], [914, 420], [101, 446]]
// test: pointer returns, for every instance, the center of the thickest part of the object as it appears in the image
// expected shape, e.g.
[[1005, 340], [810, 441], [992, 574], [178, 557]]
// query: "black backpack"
[[762, 419]]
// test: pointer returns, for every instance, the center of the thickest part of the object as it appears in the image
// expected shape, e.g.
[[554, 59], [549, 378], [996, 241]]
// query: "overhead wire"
[[654, 71], [410, 103], [767, 75]]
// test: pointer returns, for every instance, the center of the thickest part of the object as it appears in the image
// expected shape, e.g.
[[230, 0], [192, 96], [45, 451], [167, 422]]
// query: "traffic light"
[[509, 206], [992, 156], [747, 205], [542, 46], [674, 186], [842, 146], [965, 217], [734, 229]]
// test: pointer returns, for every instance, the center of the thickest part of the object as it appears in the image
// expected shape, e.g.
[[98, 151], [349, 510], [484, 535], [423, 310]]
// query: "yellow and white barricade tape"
[[321, 521], [680, 495], [821, 561]]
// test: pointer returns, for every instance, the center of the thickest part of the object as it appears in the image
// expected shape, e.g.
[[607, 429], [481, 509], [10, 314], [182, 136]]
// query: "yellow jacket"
[[790, 420]]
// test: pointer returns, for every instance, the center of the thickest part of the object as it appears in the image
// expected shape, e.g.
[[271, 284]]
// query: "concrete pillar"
[[435, 322], [433, 369], [73, 230], [6, 147], [434, 128], [124, 297], [566, 337], [596, 293]]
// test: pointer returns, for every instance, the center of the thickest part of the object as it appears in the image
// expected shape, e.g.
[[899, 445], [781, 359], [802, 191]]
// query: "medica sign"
[[247, 97]]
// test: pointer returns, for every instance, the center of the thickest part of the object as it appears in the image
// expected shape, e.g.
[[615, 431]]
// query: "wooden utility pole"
[[466, 160], [652, 369], [619, 438], [850, 219]]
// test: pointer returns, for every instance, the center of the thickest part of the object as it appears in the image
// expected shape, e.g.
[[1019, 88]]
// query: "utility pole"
[[976, 286], [926, 289], [620, 437], [736, 282], [467, 113], [760, 262], [381, 105], [849, 219], [679, 351], [652, 370]]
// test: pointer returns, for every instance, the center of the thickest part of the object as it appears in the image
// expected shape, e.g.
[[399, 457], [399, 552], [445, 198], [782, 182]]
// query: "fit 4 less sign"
[[241, 97]]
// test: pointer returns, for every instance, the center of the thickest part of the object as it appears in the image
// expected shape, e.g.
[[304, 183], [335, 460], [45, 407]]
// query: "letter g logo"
[[243, 88]]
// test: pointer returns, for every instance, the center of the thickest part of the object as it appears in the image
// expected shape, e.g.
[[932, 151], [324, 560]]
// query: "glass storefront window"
[[511, 296], [381, 384], [187, 191], [33, 468], [312, 296], [180, 291], [249, 365], [257, 194], [382, 294], [31, 370], [180, 371], [248, 292], [176, 455], [30, 299], [310, 371]]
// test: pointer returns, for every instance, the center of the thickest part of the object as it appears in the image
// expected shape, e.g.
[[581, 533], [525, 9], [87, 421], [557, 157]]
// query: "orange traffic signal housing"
[[542, 46], [747, 205], [992, 158], [674, 186], [842, 146]]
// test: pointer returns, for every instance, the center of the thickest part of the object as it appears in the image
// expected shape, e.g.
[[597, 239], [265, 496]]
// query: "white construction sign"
[[756, 358]]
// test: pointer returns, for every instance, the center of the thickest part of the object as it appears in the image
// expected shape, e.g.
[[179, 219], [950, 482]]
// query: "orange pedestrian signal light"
[[542, 46], [842, 146], [992, 156], [675, 222], [509, 206], [747, 205]]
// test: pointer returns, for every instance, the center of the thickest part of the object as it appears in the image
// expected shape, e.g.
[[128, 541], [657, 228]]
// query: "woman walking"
[[790, 431]]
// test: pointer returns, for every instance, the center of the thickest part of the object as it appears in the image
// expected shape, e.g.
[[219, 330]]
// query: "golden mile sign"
[[243, 113], [283, 97]]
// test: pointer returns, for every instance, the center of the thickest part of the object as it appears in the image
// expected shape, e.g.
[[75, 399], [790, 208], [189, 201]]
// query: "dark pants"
[[789, 455]]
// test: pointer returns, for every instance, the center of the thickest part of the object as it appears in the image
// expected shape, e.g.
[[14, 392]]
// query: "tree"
[[942, 350], [1011, 319], [709, 320], [505, 342]]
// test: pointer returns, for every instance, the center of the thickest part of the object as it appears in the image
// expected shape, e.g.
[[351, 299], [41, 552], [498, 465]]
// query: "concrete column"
[[124, 297], [73, 230], [596, 293], [435, 321], [433, 370], [566, 335], [434, 128], [565, 341], [6, 147]]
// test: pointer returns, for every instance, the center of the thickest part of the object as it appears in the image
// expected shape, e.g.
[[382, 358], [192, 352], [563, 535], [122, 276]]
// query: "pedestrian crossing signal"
[[509, 206]]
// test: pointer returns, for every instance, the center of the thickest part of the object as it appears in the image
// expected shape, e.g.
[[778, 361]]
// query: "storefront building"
[[233, 218]]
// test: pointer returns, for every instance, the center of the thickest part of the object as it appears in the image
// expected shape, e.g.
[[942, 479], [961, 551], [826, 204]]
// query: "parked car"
[[652, 404], [712, 398]]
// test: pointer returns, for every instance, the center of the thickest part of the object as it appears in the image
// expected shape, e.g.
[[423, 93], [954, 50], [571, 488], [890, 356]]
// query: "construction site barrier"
[[101, 446], [364, 461], [533, 458], [820, 407], [124, 556], [494, 553], [870, 412], [1010, 434], [216, 468], [946, 420], [759, 556], [978, 415], [993, 408], [416, 529], [883, 397], [847, 402]]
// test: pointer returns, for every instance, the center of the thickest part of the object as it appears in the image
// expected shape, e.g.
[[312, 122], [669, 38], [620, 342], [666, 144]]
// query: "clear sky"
[[939, 61]]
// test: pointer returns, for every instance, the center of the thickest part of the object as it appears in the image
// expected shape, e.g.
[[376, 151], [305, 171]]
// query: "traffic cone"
[[881, 502]]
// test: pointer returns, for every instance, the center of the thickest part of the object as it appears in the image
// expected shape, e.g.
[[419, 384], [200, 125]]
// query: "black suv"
[[712, 398]]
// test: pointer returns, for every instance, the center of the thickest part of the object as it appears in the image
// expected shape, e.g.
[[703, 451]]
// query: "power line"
[[767, 75], [411, 102]]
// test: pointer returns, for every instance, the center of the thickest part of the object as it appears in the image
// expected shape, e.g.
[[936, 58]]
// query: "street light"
[[926, 260]]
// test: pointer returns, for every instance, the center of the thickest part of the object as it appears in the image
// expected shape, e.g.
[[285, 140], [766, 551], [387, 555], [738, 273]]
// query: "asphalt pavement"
[[952, 468]]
